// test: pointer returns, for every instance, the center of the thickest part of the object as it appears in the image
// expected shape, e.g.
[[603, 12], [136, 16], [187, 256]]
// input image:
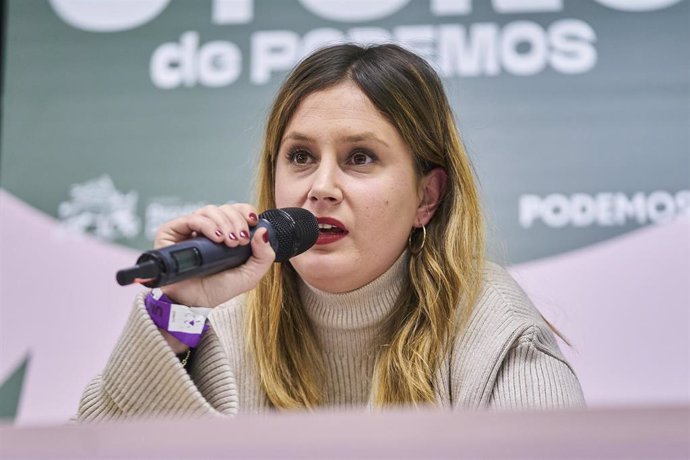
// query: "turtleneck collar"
[[349, 323]]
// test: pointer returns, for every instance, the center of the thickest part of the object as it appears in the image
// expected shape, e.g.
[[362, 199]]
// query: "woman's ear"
[[432, 189]]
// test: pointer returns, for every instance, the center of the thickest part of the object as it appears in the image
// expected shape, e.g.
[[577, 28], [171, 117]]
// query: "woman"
[[393, 305]]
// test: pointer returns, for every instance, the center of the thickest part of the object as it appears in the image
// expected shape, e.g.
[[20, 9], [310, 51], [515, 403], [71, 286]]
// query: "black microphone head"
[[296, 230]]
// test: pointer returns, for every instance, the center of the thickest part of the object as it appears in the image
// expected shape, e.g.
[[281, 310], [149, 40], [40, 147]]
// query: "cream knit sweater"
[[506, 359]]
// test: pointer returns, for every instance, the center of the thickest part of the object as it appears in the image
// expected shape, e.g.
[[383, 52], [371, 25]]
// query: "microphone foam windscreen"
[[296, 230]]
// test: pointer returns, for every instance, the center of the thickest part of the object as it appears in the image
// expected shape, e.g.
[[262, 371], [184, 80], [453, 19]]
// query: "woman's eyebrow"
[[294, 135], [366, 136]]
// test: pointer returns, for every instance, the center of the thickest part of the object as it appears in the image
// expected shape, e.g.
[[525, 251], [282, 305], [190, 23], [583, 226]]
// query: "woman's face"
[[343, 161]]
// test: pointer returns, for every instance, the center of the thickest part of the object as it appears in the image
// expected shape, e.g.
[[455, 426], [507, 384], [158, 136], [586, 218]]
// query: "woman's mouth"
[[330, 230]]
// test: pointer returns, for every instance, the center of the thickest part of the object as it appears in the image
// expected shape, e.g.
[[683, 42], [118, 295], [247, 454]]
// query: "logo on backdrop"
[[108, 15], [603, 209], [97, 207], [483, 49]]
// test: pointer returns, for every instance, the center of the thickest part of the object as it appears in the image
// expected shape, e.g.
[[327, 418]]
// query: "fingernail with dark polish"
[[253, 217], [218, 233], [232, 236], [265, 237], [244, 235]]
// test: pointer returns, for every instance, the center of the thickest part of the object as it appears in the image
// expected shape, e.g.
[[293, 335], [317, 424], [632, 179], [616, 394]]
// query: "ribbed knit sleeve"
[[533, 377], [143, 377], [508, 357]]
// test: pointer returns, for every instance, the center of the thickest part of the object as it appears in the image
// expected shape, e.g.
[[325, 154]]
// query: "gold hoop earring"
[[417, 250]]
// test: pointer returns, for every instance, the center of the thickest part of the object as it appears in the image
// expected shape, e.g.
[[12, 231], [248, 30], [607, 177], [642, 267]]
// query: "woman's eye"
[[299, 157], [361, 158]]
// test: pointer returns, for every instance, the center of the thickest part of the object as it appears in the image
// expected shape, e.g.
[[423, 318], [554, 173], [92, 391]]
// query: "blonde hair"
[[443, 279]]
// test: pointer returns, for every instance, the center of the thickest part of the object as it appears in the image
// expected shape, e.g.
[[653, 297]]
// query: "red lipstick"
[[330, 230]]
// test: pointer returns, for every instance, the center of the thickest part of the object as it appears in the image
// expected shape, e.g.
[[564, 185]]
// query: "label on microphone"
[[185, 319]]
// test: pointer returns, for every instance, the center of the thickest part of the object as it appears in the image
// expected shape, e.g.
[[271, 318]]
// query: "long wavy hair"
[[443, 279]]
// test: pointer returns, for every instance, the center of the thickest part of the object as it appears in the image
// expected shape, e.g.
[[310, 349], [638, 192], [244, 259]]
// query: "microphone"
[[291, 231]]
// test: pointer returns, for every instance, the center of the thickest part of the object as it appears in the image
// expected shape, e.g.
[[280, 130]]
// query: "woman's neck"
[[350, 323]]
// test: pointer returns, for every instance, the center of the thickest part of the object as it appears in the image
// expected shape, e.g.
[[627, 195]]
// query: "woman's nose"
[[325, 187]]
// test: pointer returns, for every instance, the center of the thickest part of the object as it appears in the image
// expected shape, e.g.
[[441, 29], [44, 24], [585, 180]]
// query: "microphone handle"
[[191, 258]]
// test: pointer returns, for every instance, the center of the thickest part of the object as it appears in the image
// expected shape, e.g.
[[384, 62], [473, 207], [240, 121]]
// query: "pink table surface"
[[602, 433]]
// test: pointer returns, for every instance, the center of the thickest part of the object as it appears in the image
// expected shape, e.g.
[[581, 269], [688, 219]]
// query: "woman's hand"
[[229, 225]]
